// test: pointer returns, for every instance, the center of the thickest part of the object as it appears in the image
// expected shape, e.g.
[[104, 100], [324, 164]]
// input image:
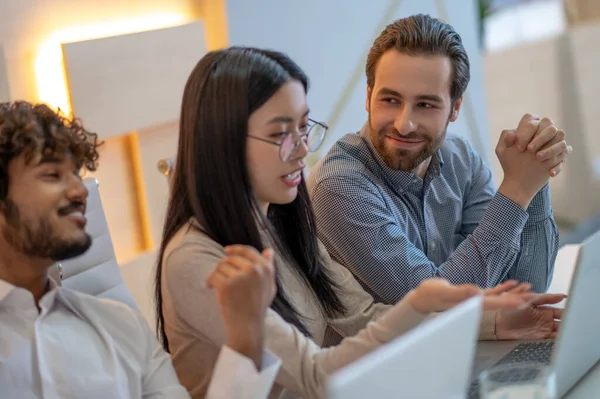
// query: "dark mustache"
[[75, 206], [414, 136]]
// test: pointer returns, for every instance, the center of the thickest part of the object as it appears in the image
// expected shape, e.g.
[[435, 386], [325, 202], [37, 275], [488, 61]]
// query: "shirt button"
[[432, 245], [415, 181]]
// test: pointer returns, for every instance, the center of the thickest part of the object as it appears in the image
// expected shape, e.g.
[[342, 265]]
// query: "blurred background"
[[120, 66]]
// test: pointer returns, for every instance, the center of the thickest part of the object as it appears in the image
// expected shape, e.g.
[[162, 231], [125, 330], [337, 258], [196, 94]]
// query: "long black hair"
[[211, 183]]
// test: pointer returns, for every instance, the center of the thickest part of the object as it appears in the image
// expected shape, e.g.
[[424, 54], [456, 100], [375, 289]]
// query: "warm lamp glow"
[[49, 66]]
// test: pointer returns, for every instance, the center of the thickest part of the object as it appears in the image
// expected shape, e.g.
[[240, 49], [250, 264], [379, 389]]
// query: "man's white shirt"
[[78, 346]]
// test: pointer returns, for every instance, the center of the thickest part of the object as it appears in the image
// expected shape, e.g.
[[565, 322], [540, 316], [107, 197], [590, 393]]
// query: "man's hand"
[[532, 322], [525, 173], [542, 137], [536, 134]]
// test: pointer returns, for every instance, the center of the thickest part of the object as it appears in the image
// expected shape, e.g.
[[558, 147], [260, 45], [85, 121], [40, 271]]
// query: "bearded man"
[[402, 201]]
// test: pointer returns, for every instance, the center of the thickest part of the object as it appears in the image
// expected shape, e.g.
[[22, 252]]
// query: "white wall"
[[330, 41], [4, 88], [27, 24], [524, 23], [558, 78]]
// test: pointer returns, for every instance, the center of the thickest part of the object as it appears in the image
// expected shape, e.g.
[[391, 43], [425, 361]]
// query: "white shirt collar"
[[6, 288]]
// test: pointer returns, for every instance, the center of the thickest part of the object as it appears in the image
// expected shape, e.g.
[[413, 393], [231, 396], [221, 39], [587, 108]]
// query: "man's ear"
[[455, 109], [368, 101]]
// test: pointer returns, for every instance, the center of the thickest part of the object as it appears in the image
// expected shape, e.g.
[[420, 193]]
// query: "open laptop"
[[431, 361], [577, 348]]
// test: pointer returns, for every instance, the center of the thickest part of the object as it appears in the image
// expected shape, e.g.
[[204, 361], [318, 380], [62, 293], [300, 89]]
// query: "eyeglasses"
[[312, 135]]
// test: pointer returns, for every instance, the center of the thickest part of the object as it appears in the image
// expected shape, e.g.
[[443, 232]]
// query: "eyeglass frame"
[[299, 135]]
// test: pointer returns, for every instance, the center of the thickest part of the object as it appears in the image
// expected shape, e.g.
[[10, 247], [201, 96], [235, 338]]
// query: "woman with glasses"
[[238, 204]]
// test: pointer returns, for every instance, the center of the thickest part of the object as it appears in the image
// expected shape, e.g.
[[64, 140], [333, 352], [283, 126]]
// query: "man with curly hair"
[[57, 343]]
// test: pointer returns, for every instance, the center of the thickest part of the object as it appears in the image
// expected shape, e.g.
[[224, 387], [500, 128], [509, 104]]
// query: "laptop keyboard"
[[533, 352], [527, 352]]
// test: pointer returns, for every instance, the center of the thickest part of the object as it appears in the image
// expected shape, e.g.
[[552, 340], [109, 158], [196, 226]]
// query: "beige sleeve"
[[185, 271], [305, 365], [196, 330], [360, 305]]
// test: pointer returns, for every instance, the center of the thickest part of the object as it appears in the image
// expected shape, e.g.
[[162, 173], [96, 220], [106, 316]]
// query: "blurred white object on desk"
[[566, 259]]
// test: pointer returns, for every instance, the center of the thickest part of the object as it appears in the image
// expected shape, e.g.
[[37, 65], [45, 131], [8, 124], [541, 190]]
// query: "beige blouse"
[[196, 332]]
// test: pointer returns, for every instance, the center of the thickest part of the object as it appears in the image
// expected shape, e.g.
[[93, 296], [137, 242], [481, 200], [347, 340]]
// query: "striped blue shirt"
[[393, 229]]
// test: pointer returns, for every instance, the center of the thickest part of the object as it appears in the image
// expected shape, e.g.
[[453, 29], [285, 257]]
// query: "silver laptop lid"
[[432, 361], [578, 345]]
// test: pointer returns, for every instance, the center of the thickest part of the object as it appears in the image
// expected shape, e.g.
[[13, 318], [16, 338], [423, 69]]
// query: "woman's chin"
[[285, 197]]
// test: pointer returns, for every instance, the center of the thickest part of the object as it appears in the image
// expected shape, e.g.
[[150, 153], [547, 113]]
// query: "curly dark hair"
[[28, 129]]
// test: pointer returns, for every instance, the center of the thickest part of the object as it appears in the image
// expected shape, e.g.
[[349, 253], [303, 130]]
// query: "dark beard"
[[38, 239], [399, 159]]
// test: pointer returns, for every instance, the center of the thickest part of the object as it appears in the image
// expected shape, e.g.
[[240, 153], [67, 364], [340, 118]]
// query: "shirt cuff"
[[269, 362], [487, 327], [236, 375], [505, 219], [540, 207]]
